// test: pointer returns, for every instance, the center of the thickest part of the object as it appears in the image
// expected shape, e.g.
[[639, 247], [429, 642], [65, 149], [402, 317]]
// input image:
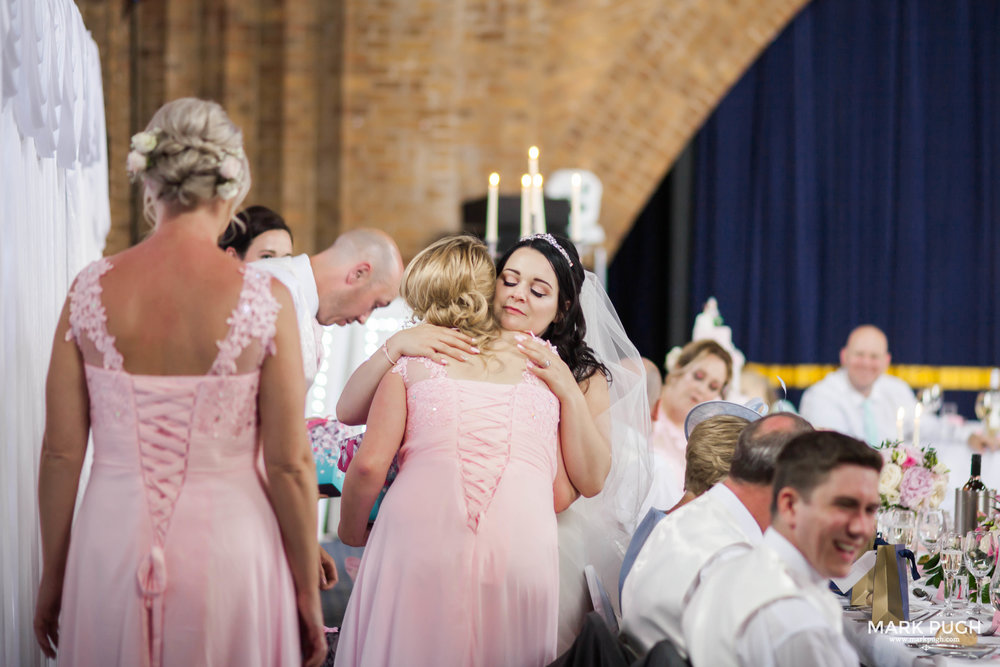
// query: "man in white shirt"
[[772, 606], [360, 272], [687, 544], [860, 399]]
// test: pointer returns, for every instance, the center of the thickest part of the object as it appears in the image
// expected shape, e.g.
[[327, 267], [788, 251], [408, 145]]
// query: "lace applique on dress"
[[401, 368], [254, 317], [87, 315]]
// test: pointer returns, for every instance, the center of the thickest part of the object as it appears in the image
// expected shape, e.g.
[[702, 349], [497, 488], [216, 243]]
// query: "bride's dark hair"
[[569, 327]]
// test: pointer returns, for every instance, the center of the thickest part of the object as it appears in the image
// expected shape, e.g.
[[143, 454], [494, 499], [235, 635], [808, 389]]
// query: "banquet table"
[[900, 646]]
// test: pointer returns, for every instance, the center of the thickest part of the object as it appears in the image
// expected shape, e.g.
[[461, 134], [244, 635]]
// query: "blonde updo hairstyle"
[[451, 284], [193, 139]]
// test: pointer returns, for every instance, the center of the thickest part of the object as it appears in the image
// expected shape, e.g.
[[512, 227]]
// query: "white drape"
[[54, 217]]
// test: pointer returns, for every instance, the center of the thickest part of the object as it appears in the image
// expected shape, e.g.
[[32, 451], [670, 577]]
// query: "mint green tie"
[[871, 431]]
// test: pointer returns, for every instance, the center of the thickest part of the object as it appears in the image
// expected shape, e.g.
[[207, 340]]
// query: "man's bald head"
[[361, 271], [760, 443], [865, 357]]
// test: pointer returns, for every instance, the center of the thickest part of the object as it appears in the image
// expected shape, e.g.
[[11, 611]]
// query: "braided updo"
[[451, 284], [190, 153]]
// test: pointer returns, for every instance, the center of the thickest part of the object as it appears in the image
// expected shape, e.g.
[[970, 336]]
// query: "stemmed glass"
[[979, 549], [900, 527], [951, 563], [930, 528]]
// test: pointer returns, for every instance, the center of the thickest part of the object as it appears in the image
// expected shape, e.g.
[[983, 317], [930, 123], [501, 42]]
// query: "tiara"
[[551, 240]]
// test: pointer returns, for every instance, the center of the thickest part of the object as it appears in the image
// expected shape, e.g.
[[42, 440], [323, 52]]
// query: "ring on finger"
[[548, 362]]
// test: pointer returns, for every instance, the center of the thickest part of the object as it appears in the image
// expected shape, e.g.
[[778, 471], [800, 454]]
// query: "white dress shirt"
[[767, 608], [680, 553], [834, 403], [296, 274]]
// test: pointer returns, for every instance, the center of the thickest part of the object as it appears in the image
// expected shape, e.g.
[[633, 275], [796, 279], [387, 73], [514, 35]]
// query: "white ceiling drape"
[[54, 217]]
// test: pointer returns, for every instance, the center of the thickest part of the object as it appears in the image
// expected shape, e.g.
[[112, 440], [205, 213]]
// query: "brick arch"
[[390, 114], [614, 87]]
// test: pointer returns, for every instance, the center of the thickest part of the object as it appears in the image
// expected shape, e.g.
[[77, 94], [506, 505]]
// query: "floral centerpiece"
[[911, 478]]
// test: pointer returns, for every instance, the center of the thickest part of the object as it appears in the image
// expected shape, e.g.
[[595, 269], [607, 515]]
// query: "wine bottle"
[[975, 483]]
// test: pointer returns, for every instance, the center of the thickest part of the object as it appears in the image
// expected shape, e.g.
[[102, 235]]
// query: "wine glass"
[[979, 549], [951, 563], [931, 398], [988, 411], [900, 527], [930, 527]]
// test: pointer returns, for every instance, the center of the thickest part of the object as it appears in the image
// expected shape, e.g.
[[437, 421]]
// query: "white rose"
[[940, 469], [888, 481], [227, 190], [144, 142], [938, 494], [892, 497], [135, 163]]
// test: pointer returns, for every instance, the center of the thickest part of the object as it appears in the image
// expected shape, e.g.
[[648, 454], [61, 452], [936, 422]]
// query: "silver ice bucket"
[[970, 506]]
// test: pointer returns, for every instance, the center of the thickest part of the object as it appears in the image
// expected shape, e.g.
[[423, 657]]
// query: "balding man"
[[360, 272], [685, 546], [860, 399], [772, 607]]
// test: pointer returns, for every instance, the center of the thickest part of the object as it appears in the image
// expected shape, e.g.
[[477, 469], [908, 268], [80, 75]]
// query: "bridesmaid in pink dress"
[[461, 566], [179, 362]]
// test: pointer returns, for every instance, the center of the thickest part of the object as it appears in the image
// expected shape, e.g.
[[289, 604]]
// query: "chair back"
[[639, 537]]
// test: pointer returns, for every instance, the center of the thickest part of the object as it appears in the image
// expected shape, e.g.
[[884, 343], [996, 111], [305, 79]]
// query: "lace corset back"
[[483, 425], [252, 321]]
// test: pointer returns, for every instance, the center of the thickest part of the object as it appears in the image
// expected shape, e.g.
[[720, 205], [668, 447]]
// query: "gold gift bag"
[[890, 599], [861, 593]]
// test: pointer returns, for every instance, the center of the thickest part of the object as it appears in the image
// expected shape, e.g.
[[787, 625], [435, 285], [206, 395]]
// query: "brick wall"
[[390, 113]]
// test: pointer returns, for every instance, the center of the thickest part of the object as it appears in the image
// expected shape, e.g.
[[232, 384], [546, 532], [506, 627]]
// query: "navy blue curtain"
[[853, 175]]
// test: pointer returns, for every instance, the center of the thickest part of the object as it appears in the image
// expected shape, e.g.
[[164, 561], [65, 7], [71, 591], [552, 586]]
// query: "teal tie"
[[871, 430]]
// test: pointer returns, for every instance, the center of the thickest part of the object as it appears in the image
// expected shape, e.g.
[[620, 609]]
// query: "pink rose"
[[135, 162], [912, 457], [916, 486], [230, 168]]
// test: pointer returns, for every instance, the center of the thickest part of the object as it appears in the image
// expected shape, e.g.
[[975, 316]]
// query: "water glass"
[[931, 525], [979, 550]]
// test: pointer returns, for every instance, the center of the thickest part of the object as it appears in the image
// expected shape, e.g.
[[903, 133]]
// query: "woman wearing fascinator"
[[598, 377]]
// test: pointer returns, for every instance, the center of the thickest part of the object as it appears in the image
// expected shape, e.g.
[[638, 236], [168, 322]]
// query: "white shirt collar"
[[302, 268], [792, 557], [735, 506]]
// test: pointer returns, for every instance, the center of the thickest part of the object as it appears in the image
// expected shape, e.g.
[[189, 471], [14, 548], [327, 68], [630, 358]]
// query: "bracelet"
[[385, 349]]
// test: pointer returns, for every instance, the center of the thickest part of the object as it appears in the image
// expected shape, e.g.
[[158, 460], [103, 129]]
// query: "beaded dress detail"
[[461, 567], [175, 557]]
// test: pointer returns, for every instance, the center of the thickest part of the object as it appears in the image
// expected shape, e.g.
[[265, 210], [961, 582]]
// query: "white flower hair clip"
[[143, 143], [229, 171], [673, 356]]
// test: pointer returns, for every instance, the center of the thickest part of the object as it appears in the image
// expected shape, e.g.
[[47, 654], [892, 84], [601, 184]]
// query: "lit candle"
[[533, 161], [492, 201], [525, 206], [917, 410], [574, 208], [539, 204], [900, 414]]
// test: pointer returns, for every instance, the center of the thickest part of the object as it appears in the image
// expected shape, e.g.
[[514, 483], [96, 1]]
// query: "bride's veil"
[[596, 531]]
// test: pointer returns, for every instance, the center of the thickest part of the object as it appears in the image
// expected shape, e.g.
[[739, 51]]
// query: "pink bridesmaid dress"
[[175, 556], [461, 567]]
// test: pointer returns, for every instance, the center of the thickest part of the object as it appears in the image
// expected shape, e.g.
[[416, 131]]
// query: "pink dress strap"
[[87, 315], [254, 317]]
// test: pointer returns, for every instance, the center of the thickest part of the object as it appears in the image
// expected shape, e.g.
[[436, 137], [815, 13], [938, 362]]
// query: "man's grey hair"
[[760, 443]]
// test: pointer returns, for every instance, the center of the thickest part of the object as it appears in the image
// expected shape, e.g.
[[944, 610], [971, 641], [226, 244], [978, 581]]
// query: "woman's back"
[[467, 531], [174, 495]]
